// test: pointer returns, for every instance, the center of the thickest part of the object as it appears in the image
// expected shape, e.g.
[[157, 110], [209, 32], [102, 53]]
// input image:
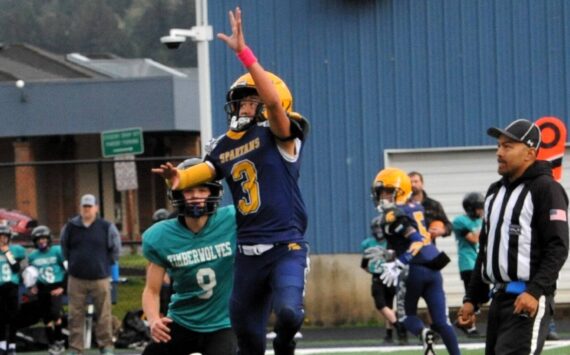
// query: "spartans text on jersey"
[[239, 151]]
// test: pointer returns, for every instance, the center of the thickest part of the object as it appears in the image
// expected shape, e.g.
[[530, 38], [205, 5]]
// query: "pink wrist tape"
[[247, 57]]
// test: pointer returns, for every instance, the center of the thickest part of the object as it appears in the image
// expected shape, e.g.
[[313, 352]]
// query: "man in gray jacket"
[[90, 246]]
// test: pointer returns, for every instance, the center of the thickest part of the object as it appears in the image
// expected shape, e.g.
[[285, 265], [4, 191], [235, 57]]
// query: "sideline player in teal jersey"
[[10, 257], [49, 286], [466, 229], [197, 250]]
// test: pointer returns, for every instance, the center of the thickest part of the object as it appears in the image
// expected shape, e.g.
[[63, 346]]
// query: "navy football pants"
[[274, 281], [427, 283]]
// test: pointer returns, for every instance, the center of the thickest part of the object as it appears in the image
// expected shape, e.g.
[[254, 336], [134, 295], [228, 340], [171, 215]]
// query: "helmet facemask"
[[41, 232], [384, 198], [197, 207], [243, 87], [42, 243], [238, 122], [376, 229], [390, 187]]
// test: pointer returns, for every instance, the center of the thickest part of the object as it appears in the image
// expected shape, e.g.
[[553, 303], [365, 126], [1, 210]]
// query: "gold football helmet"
[[243, 87], [391, 179]]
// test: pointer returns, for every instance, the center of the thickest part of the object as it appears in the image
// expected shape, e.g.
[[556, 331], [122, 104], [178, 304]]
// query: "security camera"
[[172, 42]]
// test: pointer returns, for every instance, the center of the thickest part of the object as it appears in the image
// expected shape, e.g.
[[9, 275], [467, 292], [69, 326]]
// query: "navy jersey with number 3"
[[263, 183]]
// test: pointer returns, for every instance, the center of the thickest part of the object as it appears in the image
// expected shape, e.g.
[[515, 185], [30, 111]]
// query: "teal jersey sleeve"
[[460, 227], [373, 266], [151, 238], [49, 264], [18, 251], [6, 274], [200, 266], [466, 251], [372, 242], [365, 244]]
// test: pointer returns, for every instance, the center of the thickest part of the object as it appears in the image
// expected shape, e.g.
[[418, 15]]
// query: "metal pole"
[[204, 77], [101, 197]]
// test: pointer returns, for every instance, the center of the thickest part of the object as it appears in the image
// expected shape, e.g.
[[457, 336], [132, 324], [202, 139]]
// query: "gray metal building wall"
[[91, 106], [379, 74]]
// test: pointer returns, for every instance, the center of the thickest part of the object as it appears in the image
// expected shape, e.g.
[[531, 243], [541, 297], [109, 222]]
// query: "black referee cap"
[[521, 130]]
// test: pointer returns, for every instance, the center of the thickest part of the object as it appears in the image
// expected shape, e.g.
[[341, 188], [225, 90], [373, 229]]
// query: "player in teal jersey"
[[49, 286], [197, 250], [10, 257], [466, 229], [383, 295]]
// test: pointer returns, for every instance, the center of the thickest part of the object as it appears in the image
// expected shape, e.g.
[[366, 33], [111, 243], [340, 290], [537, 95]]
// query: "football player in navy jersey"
[[416, 270], [260, 158]]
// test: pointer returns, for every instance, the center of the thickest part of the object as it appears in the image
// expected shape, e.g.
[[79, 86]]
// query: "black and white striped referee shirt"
[[525, 233]]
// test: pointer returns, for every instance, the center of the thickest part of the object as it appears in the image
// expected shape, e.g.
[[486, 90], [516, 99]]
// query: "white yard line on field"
[[391, 349]]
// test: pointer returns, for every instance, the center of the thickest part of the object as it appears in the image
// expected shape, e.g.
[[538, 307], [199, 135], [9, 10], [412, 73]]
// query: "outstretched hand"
[[236, 41], [168, 172], [374, 253]]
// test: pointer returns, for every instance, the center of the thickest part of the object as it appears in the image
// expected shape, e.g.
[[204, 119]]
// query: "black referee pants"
[[512, 334]]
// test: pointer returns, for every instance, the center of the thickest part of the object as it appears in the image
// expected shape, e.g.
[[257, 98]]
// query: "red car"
[[20, 223]]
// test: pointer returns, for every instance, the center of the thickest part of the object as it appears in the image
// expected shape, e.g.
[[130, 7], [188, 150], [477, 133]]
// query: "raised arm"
[[182, 179], [279, 122]]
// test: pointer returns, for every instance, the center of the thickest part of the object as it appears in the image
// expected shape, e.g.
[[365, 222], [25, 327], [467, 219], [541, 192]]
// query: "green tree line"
[[125, 28]]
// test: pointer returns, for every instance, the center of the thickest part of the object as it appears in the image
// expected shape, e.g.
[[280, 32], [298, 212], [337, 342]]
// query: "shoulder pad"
[[391, 215], [394, 221], [300, 126], [212, 144]]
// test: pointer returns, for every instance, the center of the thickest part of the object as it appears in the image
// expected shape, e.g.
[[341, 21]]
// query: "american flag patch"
[[558, 215]]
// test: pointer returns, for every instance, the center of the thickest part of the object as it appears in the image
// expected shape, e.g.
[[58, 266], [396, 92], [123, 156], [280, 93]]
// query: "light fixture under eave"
[[20, 84]]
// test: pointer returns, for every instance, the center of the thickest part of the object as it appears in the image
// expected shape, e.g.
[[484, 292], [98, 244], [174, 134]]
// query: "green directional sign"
[[122, 141]]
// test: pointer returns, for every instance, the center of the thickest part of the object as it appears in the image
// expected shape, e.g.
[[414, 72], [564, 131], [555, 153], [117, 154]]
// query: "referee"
[[523, 245]]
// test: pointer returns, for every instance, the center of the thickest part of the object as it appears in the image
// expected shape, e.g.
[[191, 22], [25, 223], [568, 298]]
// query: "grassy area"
[[129, 292], [132, 261], [129, 296]]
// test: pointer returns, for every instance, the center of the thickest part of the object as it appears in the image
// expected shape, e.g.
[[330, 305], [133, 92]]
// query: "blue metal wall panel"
[[373, 75]]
